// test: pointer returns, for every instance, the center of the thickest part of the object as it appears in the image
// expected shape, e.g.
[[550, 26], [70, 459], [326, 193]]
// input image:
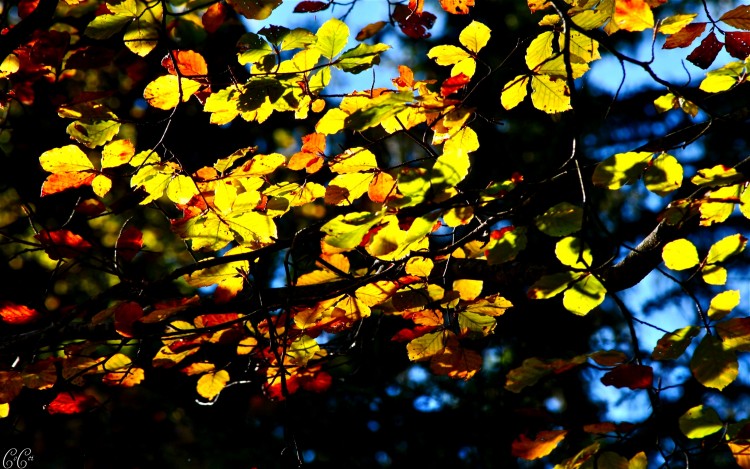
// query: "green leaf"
[[348, 230], [712, 365], [673, 24], [508, 244], [723, 304], [673, 344], [699, 422], [253, 49], [552, 285], [584, 295], [726, 248], [476, 323], [621, 169], [560, 220], [332, 38], [360, 58], [154, 179], [384, 106], [571, 252], [450, 169], [106, 26], [680, 254], [663, 175], [141, 37], [93, 134]]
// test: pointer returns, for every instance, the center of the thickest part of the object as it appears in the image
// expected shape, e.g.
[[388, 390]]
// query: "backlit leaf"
[[680, 254], [457, 7], [714, 275], [723, 304], [542, 445], [716, 176], [633, 15], [673, 344], [346, 231], [705, 54], [456, 362], [550, 95], [94, 133], [211, 384], [716, 81], [735, 334], [141, 37], [62, 244], [117, 153], [166, 91], [738, 17], [719, 204], [129, 243], [560, 220], [361, 57], [15, 314], [254, 9], [699, 422], [738, 43], [188, 63], [571, 252], [584, 295], [475, 36], [515, 92], [712, 365], [332, 38], [65, 159], [685, 36], [540, 49], [663, 175], [506, 244], [675, 23], [629, 376], [419, 266], [71, 402], [552, 285], [725, 248], [621, 169], [426, 346]]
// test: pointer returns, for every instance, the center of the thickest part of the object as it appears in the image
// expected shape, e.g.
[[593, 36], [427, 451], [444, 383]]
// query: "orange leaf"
[[453, 84], [11, 313], [214, 17], [633, 15], [541, 446], [457, 7], [416, 6], [315, 380], [456, 362], [126, 379], [382, 187], [71, 403], [190, 64], [311, 156], [59, 182], [62, 244]]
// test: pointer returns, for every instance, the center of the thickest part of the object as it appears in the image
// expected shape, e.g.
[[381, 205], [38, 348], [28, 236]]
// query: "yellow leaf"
[[680, 254], [723, 78], [725, 248], [447, 54], [712, 365], [468, 290], [540, 49], [65, 159], [458, 216], [116, 153], [674, 23], [141, 37], [331, 122], [514, 92], [166, 91], [723, 304], [247, 345], [633, 15], [699, 422], [714, 275], [664, 175], [101, 185], [571, 252], [582, 48], [211, 384], [475, 36], [419, 266], [381, 188], [550, 95], [344, 189], [181, 189], [4, 410], [426, 346], [353, 160]]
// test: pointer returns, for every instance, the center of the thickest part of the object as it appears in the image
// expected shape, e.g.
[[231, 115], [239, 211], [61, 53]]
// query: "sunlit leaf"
[[633, 15], [332, 38], [725, 248], [211, 384], [63, 244], [543, 444], [15, 314], [712, 365], [680, 254], [515, 92], [685, 36], [716, 176], [716, 81], [723, 304], [621, 169], [167, 91], [474, 36], [584, 295], [572, 252], [674, 23], [254, 9], [699, 422], [663, 175], [426, 346]]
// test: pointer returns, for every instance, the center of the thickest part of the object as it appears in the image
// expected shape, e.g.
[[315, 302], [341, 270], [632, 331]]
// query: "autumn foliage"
[[341, 217]]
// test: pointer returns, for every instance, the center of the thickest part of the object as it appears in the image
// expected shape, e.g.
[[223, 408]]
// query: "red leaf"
[[409, 334], [685, 36], [25, 7], [453, 84], [90, 207], [71, 403], [210, 320], [62, 244], [629, 376], [310, 6], [214, 17], [414, 25], [11, 313], [126, 315], [738, 44], [129, 243], [58, 182], [315, 380], [703, 55]]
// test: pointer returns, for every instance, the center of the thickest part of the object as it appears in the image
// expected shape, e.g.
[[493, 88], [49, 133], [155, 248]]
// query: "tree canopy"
[[501, 234]]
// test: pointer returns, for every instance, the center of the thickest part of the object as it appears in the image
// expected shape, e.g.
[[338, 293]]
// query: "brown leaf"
[[738, 17], [310, 6], [685, 36], [737, 44], [370, 30], [705, 54]]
